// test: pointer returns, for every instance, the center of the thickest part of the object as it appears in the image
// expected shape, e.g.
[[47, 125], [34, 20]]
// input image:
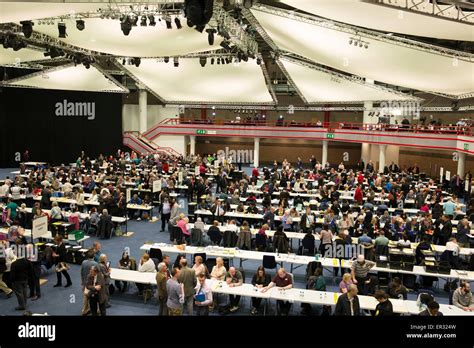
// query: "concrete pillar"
[[368, 105], [325, 152], [142, 107], [461, 163], [192, 143], [256, 152], [382, 150], [365, 154]]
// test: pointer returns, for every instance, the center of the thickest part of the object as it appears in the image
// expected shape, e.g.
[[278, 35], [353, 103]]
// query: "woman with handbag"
[[59, 256], [95, 291]]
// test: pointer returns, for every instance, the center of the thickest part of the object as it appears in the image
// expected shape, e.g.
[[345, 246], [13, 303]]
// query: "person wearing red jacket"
[[358, 197]]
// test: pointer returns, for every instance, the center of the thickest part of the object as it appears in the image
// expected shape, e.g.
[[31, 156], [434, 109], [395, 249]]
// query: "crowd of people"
[[332, 205]]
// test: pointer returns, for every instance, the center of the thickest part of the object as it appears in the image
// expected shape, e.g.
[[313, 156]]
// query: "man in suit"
[[432, 310], [20, 273], [444, 230], [161, 280], [86, 266], [187, 277], [348, 303], [96, 291], [218, 211]]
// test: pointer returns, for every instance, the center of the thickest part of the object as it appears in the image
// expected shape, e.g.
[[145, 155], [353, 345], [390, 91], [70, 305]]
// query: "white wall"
[[176, 142], [155, 114]]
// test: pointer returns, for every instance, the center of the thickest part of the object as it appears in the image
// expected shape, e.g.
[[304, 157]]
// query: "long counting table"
[[291, 295], [297, 260]]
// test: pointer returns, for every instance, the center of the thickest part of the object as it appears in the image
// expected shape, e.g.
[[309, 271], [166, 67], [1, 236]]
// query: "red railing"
[[142, 145], [413, 128]]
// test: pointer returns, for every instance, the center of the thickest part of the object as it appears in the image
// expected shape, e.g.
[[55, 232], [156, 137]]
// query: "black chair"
[[156, 253], [260, 242], [269, 262], [196, 237]]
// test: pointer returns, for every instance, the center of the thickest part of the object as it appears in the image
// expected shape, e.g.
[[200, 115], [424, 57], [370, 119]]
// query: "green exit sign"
[[466, 146], [330, 136], [201, 131]]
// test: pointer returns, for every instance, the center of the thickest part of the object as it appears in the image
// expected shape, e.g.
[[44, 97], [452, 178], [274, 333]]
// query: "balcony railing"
[[413, 128]]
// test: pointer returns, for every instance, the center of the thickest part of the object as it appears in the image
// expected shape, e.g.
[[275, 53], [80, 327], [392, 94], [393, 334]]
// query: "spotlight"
[[143, 21], [178, 23], [176, 62], [167, 59], [86, 62], [62, 30], [212, 61], [218, 61], [210, 36], [350, 42], [366, 46], [27, 28], [123, 61], [225, 44], [203, 61], [125, 25], [259, 61], [136, 62], [80, 25], [361, 44], [168, 23], [151, 20], [18, 45], [248, 4], [200, 28]]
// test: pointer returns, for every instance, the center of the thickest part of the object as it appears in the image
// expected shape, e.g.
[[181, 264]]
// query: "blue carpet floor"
[[68, 301]]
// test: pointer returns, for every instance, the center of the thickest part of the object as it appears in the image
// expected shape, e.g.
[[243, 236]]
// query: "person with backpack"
[[315, 282]]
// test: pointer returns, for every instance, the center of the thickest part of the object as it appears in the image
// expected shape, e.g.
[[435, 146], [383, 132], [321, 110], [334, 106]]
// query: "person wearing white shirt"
[[16, 193], [4, 189], [67, 187], [231, 226], [452, 245], [203, 296], [145, 265]]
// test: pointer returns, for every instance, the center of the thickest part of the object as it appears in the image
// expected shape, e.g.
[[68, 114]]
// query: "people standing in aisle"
[[187, 277], [175, 292], [202, 296], [20, 273], [60, 260], [162, 294], [95, 291], [86, 266]]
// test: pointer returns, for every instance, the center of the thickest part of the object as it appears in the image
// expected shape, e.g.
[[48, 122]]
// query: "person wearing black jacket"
[[384, 307], [308, 221], [348, 303], [260, 280], [59, 259], [443, 231], [20, 272], [34, 280]]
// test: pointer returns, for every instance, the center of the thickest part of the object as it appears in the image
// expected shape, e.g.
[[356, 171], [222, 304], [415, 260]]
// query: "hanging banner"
[[448, 175], [180, 176], [196, 170], [441, 169]]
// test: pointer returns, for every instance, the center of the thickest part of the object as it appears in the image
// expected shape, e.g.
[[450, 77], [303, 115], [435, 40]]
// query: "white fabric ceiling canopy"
[[16, 11], [385, 18], [318, 86], [9, 56], [69, 78], [381, 61], [243, 82], [105, 35]]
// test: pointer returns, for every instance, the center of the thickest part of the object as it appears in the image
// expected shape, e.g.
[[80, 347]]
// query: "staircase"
[[141, 145]]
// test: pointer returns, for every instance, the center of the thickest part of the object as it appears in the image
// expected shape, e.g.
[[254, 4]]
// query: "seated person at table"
[[252, 209], [245, 237], [423, 245], [287, 221], [384, 307], [233, 278], [463, 232], [214, 233], [462, 297], [261, 238], [183, 225], [199, 224], [404, 242], [345, 283], [283, 281], [260, 280], [432, 310], [218, 210], [199, 267], [135, 212], [231, 226], [397, 290], [448, 208], [145, 265]]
